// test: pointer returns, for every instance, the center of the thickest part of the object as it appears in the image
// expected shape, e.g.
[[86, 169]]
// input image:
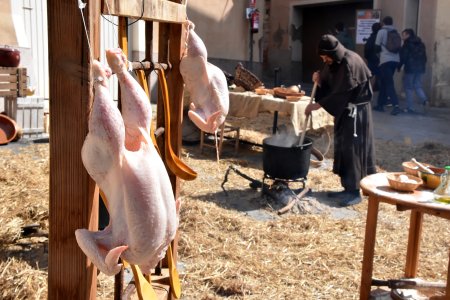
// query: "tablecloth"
[[249, 105]]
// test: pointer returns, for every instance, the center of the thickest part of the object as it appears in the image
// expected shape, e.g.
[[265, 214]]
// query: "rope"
[[187, 37], [109, 12], [352, 114], [81, 6]]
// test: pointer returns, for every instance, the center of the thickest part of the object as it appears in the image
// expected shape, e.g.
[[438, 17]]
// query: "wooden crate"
[[28, 113], [13, 82]]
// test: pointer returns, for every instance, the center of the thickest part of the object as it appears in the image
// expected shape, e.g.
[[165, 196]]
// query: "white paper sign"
[[364, 21]]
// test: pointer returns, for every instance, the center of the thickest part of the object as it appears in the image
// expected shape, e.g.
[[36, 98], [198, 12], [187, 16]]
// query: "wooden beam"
[[73, 194], [155, 10], [170, 46]]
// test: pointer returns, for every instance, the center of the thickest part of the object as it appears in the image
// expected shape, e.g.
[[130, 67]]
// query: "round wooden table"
[[420, 202]]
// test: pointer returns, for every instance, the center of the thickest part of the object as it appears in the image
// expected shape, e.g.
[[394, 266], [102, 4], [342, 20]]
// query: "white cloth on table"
[[249, 104]]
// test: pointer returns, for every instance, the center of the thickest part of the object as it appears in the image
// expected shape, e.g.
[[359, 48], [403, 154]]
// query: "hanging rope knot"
[[352, 114], [98, 79], [81, 5]]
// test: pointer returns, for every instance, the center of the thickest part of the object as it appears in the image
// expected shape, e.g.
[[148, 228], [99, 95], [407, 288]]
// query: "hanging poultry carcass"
[[120, 156], [206, 84]]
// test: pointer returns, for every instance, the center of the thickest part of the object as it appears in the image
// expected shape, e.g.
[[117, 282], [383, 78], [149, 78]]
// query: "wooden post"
[[73, 195], [170, 51]]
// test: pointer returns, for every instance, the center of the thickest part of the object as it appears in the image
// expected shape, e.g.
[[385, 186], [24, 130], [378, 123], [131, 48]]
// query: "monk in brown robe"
[[344, 91]]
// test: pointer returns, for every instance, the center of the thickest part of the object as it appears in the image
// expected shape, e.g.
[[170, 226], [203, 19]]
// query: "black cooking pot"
[[283, 158]]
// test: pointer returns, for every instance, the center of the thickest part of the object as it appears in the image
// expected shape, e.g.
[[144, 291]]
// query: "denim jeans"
[[412, 82], [386, 81]]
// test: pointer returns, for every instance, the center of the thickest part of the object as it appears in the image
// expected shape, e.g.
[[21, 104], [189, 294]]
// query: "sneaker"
[[396, 110], [378, 108], [389, 105], [350, 201], [411, 111], [426, 105]]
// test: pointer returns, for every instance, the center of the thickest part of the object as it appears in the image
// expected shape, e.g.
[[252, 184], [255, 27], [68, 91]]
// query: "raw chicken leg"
[[206, 84], [120, 157]]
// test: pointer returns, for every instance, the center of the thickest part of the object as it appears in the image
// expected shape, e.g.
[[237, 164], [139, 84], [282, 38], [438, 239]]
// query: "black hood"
[[329, 45]]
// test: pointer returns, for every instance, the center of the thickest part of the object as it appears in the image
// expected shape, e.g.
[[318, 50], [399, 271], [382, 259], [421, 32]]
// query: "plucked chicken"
[[206, 84], [120, 156]]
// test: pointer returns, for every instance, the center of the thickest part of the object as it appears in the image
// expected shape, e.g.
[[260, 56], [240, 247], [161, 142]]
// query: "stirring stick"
[[313, 93], [424, 168]]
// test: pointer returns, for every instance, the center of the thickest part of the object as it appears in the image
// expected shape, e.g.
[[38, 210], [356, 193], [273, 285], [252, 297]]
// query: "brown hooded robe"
[[347, 80]]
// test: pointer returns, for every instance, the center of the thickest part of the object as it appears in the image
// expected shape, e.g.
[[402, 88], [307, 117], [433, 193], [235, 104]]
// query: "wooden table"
[[249, 105], [420, 202]]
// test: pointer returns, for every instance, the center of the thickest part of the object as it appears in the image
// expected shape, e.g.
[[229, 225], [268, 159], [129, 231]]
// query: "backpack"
[[418, 52], [394, 41], [369, 48]]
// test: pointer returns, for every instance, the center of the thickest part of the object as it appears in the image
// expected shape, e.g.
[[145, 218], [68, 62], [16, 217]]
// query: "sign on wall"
[[364, 21]]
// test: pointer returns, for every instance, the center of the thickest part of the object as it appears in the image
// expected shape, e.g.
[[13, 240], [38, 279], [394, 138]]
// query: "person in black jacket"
[[345, 92], [413, 57], [371, 55]]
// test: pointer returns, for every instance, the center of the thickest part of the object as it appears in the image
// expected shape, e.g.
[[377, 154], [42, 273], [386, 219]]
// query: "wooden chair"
[[224, 128]]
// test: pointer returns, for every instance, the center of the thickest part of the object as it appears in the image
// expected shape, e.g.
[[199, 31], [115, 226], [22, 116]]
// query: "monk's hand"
[[311, 107]]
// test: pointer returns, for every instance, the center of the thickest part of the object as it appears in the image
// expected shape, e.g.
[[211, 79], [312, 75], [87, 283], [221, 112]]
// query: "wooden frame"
[[158, 10], [13, 82], [73, 194]]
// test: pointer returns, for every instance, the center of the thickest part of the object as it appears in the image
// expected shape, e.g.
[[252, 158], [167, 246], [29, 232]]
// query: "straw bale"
[[227, 253]]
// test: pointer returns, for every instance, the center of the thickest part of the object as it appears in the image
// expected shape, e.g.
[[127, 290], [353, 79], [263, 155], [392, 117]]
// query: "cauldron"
[[284, 159]]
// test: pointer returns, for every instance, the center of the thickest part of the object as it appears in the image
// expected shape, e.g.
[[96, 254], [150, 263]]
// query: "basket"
[[246, 79], [263, 91], [285, 93], [411, 168], [318, 158], [396, 183]]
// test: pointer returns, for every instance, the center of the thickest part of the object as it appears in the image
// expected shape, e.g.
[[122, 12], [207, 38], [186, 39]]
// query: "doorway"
[[321, 19]]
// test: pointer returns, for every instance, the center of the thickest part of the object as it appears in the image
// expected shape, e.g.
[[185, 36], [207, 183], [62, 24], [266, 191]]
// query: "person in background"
[[371, 55], [388, 63], [344, 91], [343, 36], [414, 58]]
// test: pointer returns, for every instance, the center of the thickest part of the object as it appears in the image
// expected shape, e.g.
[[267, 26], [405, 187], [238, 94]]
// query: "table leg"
[[414, 236], [275, 122], [369, 248], [447, 289]]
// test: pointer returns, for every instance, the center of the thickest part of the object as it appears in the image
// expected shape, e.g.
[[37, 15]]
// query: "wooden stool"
[[220, 135]]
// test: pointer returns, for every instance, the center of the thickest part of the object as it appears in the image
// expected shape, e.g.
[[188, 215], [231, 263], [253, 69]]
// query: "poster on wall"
[[364, 21]]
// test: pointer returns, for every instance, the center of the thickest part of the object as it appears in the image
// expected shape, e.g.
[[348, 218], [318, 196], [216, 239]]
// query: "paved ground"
[[434, 126]]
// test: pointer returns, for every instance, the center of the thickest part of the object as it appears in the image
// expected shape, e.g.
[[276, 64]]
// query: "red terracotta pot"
[[8, 129], [9, 57]]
